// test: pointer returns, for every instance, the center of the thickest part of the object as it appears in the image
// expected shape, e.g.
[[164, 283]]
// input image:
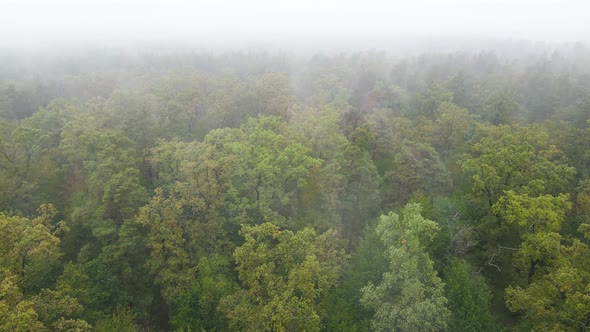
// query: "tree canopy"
[[234, 191]]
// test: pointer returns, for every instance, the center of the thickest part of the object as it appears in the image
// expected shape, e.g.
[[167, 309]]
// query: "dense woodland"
[[261, 191]]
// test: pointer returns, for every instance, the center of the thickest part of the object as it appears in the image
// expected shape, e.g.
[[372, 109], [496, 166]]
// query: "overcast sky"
[[49, 21]]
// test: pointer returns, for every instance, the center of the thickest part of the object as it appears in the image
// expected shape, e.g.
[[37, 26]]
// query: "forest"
[[269, 191]]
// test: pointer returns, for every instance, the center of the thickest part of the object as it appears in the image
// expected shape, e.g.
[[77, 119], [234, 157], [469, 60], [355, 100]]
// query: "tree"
[[537, 220], [188, 257], [104, 183], [30, 247], [95, 286], [28, 257], [188, 218], [16, 313], [122, 320], [458, 224], [342, 306], [513, 170], [450, 129], [556, 296], [59, 311], [360, 197], [500, 108], [430, 100], [198, 307], [188, 225], [19, 157], [320, 203], [582, 201], [544, 213], [553, 276], [469, 298], [284, 276], [410, 296], [268, 167], [515, 158], [416, 168]]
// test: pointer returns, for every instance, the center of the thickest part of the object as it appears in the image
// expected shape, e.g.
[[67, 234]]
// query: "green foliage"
[[190, 219], [450, 129], [21, 169], [500, 108], [53, 306], [429, 101], [31, 246], [284, 276], [555, 297], [187, 224], [515, 158], [416, 167], [197, 308], [469, 298], [121, 320], [553, 276], [342, 308], [360, 196], [16, 312], [320, 203], [268, 167], [410, 295], [103, 179], [28, 257], [156, 161], [533, 214], [458, 223], [72, 325], [582, 202], [94, 285]]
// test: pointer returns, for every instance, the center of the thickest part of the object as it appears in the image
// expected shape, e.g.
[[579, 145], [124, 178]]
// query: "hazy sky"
[[48, 21]]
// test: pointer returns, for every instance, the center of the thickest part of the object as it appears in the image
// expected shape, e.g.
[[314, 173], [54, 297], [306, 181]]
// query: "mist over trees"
[[272, 191]]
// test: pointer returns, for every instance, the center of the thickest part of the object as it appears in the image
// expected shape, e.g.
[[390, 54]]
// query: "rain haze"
[[34, 23], [301, 165]]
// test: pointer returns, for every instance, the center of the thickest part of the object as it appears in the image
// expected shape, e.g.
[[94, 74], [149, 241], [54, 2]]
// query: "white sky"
[[47, 21]]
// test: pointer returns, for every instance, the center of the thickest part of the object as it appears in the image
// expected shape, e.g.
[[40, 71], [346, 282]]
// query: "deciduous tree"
[[410, 296]]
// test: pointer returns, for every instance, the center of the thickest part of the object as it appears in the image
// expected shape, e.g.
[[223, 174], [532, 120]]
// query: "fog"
[[34, 24]]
